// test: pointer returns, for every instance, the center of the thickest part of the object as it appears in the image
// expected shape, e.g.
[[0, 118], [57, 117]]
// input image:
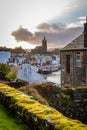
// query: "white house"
[[29, 74], [5, 56], [46, 59]]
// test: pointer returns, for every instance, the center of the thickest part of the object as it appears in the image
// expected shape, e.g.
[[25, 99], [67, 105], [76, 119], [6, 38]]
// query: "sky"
[[25, 22]]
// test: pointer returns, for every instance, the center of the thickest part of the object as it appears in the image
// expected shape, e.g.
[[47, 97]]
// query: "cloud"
[[76, 24], [45, 27], [58, 35], [22, 34], [82, 18]]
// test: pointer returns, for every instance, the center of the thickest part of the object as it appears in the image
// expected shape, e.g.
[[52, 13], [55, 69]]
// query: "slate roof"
[[38, 47], [78, 43]]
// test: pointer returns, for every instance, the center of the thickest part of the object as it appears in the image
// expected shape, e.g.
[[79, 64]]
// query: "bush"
[[11, 75], [4, 70], [2, 75]]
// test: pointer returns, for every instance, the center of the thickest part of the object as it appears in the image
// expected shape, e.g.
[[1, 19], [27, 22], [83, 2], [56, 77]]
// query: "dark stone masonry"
[[72, 103]]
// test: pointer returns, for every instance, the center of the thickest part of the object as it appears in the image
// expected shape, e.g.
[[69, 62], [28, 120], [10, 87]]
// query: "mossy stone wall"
[[35, 115], [72, 102]]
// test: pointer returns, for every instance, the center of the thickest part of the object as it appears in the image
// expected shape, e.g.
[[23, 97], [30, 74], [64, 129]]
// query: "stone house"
[[74, 61]]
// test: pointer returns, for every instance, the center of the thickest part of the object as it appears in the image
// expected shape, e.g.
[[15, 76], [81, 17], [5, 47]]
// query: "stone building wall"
[[65, 77], [77, 75], [79, 72]]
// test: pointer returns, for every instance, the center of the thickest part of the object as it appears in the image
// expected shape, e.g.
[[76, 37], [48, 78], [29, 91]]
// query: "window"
[[78, 64], [67, 63]]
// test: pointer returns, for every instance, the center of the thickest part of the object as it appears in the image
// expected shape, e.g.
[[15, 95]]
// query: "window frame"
[[78, 60], [68, 63]]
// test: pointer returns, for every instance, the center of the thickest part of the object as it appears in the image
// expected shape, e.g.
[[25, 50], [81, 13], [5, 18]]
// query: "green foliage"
[[34, 114], [7, 122], [5, 49], [18, 50], [66, 101], [4, 68], [11, 75]]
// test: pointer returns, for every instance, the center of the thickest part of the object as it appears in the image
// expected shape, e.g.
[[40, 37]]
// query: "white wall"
[[4, 56]]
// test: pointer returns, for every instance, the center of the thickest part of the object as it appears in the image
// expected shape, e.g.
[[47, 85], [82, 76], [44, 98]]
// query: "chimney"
[[85, 34]]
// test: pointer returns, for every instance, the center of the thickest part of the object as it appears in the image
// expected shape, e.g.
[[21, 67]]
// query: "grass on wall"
[[7, 122], [34, 114]]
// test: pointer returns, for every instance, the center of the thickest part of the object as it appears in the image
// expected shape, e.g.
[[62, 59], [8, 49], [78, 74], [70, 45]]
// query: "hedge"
[[35, 115]]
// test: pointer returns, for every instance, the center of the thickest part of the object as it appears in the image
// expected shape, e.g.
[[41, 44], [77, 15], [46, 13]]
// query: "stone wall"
[[72, 102], [33, 114]]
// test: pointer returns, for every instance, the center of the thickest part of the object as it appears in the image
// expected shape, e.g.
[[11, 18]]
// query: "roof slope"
[[78, 43]]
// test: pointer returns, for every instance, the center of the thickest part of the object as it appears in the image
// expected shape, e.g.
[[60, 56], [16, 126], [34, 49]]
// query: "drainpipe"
[[72, 68], [60, 69], [61, 58], [86, 73]]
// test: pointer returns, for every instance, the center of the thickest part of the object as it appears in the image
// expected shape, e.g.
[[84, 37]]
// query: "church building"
[[41, 49]]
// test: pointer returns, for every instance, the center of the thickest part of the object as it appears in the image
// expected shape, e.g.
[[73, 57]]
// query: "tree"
[[18, 50]]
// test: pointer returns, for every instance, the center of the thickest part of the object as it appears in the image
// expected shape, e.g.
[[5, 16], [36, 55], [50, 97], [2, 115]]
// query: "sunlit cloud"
[[75, 25], [82, 18], [59, 21], [22, 34], [44, 27], [57, 35]]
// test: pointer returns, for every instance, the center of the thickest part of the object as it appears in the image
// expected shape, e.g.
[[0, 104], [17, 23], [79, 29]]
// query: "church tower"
[[44, 44]]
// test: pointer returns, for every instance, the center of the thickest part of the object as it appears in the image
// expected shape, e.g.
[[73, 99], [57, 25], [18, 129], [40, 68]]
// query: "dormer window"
[[78, 62]]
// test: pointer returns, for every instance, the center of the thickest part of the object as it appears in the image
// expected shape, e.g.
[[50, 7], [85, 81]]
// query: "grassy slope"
[[7, 122]]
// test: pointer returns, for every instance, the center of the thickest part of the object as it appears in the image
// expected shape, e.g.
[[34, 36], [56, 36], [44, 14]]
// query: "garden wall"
[[35, 115], [71, 102]]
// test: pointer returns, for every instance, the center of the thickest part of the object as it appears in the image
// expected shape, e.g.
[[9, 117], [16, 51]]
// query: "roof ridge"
[[77, 43]]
